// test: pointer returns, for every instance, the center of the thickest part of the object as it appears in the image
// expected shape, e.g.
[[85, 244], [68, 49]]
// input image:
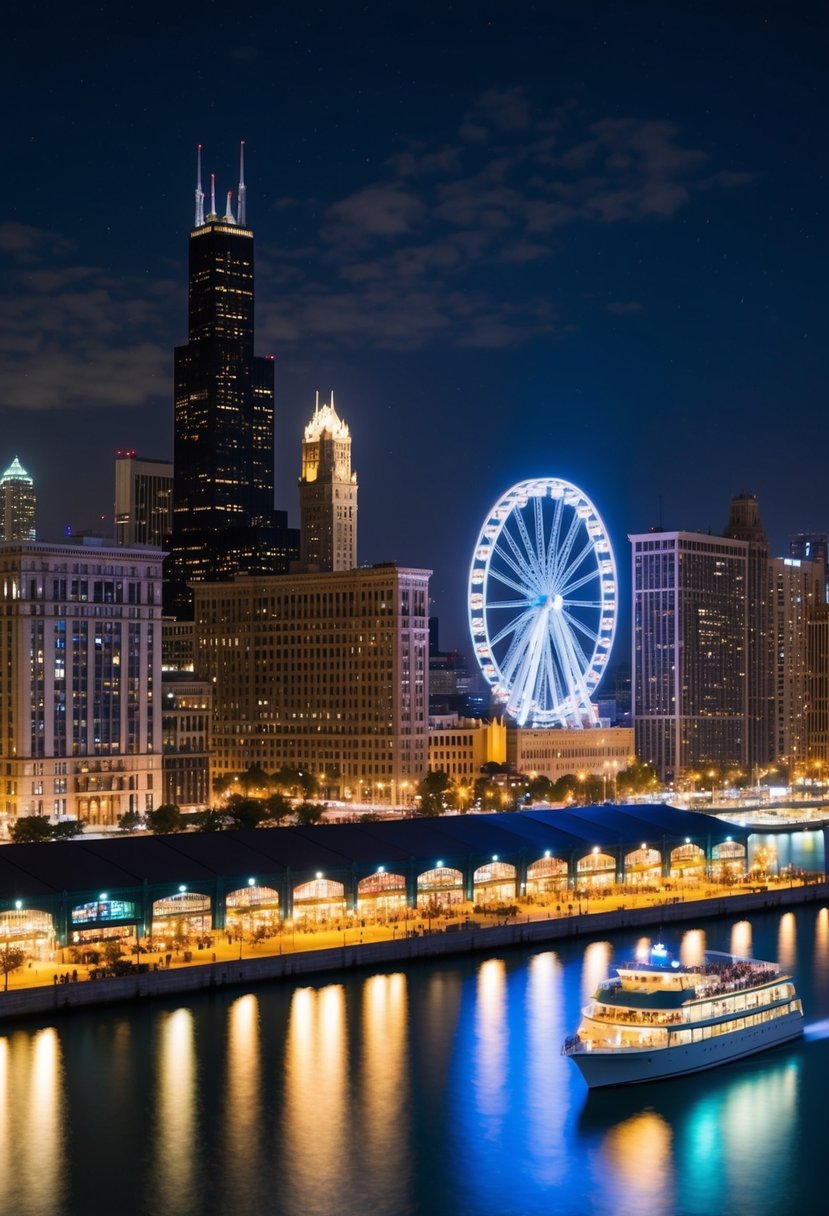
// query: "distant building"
[[185, 738], [177, 646], [224, 522], [143, 501], [460, 746], [744, 524], [326, 672], [80, 674], [689, 646], [558, 752], [796, 592], [17, 504], [327, 494], [454, 688]]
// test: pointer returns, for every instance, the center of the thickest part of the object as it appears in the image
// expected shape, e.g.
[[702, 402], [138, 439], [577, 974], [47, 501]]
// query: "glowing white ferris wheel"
[[542, 603]]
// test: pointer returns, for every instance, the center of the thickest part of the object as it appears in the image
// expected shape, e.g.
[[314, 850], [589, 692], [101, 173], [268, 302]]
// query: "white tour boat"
[[659, 1019]]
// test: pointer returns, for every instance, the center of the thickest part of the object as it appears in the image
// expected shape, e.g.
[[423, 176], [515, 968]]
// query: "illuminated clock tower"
[[327, 494]]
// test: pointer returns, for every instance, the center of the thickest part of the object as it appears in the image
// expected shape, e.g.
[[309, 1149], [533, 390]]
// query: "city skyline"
[[565, 257]]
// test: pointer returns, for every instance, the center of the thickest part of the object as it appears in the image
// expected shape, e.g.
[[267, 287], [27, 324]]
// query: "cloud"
[[73, 336], [395, 258]]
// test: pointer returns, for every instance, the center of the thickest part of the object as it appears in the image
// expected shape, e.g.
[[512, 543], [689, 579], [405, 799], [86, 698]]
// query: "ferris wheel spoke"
[[555, 531], [532, 556], [577, 666], [580, 582], [556, 696], [508, 582], [521, 700], [538, 512], [575, 623], [517, 561], [574, 566], [516, 651], [514, 624], [563, 557], [498, 605], [594, 604]]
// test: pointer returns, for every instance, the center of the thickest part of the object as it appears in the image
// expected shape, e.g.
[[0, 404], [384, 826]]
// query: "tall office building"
[[80, 675], [17, 504], [224, 520], [143, 501], [796, 593], [689, 687], [744, 524], [327, 494], [325, 672]]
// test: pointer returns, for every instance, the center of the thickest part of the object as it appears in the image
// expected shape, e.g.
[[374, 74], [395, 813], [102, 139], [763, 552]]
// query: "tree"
[[432, 790], [277, 807], [67, 829], [12, 958], [245, 812], [295, 781], [212, 819], [541, 789], [165, 819], [308, 813], [129, 821], [30, 829]]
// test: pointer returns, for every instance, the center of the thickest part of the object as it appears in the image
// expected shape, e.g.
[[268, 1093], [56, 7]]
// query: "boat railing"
[[571, 1045]]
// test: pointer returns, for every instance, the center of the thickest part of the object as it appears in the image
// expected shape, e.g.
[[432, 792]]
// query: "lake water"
[[436, 1090]]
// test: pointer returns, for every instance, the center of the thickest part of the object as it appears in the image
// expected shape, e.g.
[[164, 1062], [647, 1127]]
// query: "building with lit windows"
[[17, 504], [224, 520], [326, 672], [143, 501], [459, 746], [80, 671], [558, 752], [327, 494], [796, 591], [185, 741]]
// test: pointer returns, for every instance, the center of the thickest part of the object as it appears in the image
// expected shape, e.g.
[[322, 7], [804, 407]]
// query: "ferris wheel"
[[543, 603]]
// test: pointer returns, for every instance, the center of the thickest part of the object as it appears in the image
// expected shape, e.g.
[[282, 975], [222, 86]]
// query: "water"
[[439, 1090]]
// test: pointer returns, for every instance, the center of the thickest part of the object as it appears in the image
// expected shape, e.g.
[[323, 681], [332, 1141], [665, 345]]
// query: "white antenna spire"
[[317, 403], [242, 194], [228, 213], [199, 192], [212, 197]]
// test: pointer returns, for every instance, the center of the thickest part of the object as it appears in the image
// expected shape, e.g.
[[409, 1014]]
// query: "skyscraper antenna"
[[228, 213], [242, 194], [212, 196], [199, 192]]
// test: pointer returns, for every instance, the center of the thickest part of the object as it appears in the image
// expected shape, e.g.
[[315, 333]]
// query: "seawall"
[[36, 1002]]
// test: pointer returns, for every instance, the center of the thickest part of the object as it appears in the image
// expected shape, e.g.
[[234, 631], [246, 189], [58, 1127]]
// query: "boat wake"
[[817, 1030]]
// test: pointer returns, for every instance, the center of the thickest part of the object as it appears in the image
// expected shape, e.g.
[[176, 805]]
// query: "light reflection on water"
[[439, 1090]]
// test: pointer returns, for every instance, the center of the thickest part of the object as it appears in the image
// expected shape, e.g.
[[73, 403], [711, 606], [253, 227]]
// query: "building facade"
[[327, 494], [17, 504], [185, 741], [143, 501], [224, 520], [558, 752], [460, 746], [326, 672], [80, 671], [795, 592], [689, 686]]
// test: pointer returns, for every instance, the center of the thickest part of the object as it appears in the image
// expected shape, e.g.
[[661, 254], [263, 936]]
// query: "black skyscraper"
[[224, 521]]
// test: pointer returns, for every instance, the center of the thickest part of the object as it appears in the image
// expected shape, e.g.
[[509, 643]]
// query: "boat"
[[658, 1019]]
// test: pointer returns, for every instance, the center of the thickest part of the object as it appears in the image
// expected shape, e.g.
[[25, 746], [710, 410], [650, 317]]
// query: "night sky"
[[585, 241]]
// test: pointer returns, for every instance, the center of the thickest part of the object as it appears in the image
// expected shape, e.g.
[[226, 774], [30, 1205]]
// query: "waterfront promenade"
[[35, 990]]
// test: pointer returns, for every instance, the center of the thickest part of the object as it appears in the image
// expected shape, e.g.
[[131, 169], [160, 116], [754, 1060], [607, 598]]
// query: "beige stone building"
[[327, 672], [185, 737], [80, 675], [556, 752], [460, 746], [327, 494]]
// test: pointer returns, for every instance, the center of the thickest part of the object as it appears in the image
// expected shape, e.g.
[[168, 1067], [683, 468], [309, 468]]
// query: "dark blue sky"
[[516, 239]]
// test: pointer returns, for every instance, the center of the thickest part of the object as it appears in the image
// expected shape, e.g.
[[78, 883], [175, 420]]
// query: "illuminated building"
[[17, 504], [143, 501], [327, 494], [796, 592], [224, 520], [744, 524], [326, 672], [460, 746], [558, 752], [80, 668], [185, 740]]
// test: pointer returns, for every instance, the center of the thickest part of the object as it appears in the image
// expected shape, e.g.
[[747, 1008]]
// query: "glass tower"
[[224, 521], [17, 504]]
